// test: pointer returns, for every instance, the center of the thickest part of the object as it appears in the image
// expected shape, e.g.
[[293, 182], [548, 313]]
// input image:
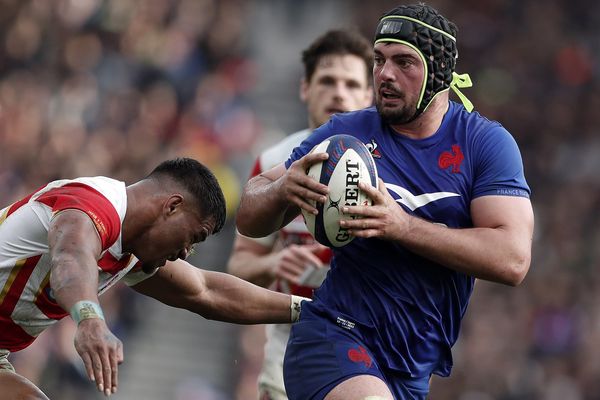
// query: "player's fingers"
[[365, 233], [361, 211], [303, 204], [305, 257], [107, 374], [361, 223], [374, 194], [120, 356], [98, 372], [308, 187], [313, 158], [292, 268], [285, 275], [87, 362], [114, 378]]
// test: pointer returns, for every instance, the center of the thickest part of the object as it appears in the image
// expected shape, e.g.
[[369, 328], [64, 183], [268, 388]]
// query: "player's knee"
[[15, 386], [374, 398]]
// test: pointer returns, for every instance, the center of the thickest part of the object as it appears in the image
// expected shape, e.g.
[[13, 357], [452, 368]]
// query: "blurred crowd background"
[[92, 87]]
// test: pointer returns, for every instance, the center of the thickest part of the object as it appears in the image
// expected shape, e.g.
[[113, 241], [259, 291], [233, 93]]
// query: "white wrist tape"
[[86, 309], [296, 307]]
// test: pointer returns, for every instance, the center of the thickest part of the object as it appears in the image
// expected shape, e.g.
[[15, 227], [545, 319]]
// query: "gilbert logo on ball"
[[349, 163]]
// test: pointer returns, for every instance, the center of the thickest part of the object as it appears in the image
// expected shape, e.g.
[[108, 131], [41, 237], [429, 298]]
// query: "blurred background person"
[[112, 87], [336, 79]]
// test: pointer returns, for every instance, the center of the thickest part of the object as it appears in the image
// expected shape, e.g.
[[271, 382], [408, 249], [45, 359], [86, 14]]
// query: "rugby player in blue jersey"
[[452, 205]]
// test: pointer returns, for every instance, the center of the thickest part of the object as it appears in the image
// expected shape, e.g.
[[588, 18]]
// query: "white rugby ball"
[[349, 162]]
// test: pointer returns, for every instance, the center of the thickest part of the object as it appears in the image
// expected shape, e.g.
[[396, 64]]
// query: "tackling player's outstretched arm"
[[497, 248], [273, 198], [218, 296], [75, 247]]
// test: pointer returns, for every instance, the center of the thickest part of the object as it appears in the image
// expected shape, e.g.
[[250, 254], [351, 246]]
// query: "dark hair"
[[427, 14], [200, 182], [338, 42]]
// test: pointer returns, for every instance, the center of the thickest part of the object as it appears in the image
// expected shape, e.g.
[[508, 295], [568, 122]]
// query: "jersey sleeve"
[[499, 167], [256, 169], [77, 196]]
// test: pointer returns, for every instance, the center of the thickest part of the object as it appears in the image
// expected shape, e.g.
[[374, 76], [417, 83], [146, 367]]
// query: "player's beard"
[[398, 115], [148, 268]]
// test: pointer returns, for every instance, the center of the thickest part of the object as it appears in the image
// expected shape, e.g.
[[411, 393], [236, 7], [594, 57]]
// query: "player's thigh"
[[360, 387], [14, 386]]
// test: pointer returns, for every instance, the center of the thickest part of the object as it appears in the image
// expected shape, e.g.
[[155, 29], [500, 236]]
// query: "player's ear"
[[303, 89], [173, 203], [369, 96]]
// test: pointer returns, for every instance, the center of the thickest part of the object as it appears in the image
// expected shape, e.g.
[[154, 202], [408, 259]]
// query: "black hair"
[[198, 180], [337, 42]]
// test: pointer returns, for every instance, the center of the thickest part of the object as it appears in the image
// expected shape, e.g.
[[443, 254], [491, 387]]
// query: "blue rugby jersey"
[[411, 307]]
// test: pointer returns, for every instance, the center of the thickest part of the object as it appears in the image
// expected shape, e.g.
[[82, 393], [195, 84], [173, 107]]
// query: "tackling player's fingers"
[[107, 373], [98, 372], [120, 356], [87, 362], [114, 373]]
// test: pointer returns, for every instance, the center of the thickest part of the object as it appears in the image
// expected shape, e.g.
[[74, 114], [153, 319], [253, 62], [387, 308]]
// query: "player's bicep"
[[511, 213], [72, 232]]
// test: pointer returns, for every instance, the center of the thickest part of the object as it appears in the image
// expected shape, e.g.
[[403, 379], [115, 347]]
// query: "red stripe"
[[16, 289], [13, 337], [15, 206], [48, 305], [108, 263], [256, 169]]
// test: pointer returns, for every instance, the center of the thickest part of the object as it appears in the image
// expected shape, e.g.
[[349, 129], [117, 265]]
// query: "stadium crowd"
[[112, 87]]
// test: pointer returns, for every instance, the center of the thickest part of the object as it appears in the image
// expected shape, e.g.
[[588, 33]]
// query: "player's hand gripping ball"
[[349, 162]]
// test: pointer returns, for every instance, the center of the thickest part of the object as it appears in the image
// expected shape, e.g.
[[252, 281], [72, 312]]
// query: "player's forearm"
[[262, 209], [254, 268], [494, 254], [230, 299], [73, 279]]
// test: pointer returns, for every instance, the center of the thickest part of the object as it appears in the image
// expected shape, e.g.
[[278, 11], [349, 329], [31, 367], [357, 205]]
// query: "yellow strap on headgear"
[[459, 82]]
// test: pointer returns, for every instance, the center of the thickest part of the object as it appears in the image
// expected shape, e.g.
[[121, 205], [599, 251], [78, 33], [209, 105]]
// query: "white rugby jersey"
[[27, 306]]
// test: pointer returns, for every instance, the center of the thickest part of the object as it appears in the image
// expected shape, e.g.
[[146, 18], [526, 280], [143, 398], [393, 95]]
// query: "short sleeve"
[[499, 167], [81, 197]]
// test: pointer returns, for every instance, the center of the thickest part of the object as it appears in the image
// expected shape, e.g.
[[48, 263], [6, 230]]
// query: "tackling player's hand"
[[300, 189], [383, 219], [101, 352], [293, 260]]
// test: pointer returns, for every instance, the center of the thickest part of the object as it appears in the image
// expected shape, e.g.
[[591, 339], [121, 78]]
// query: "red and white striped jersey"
[[27, 305]]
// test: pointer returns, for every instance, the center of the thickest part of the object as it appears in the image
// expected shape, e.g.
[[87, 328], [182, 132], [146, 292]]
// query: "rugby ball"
[[349, 162]]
